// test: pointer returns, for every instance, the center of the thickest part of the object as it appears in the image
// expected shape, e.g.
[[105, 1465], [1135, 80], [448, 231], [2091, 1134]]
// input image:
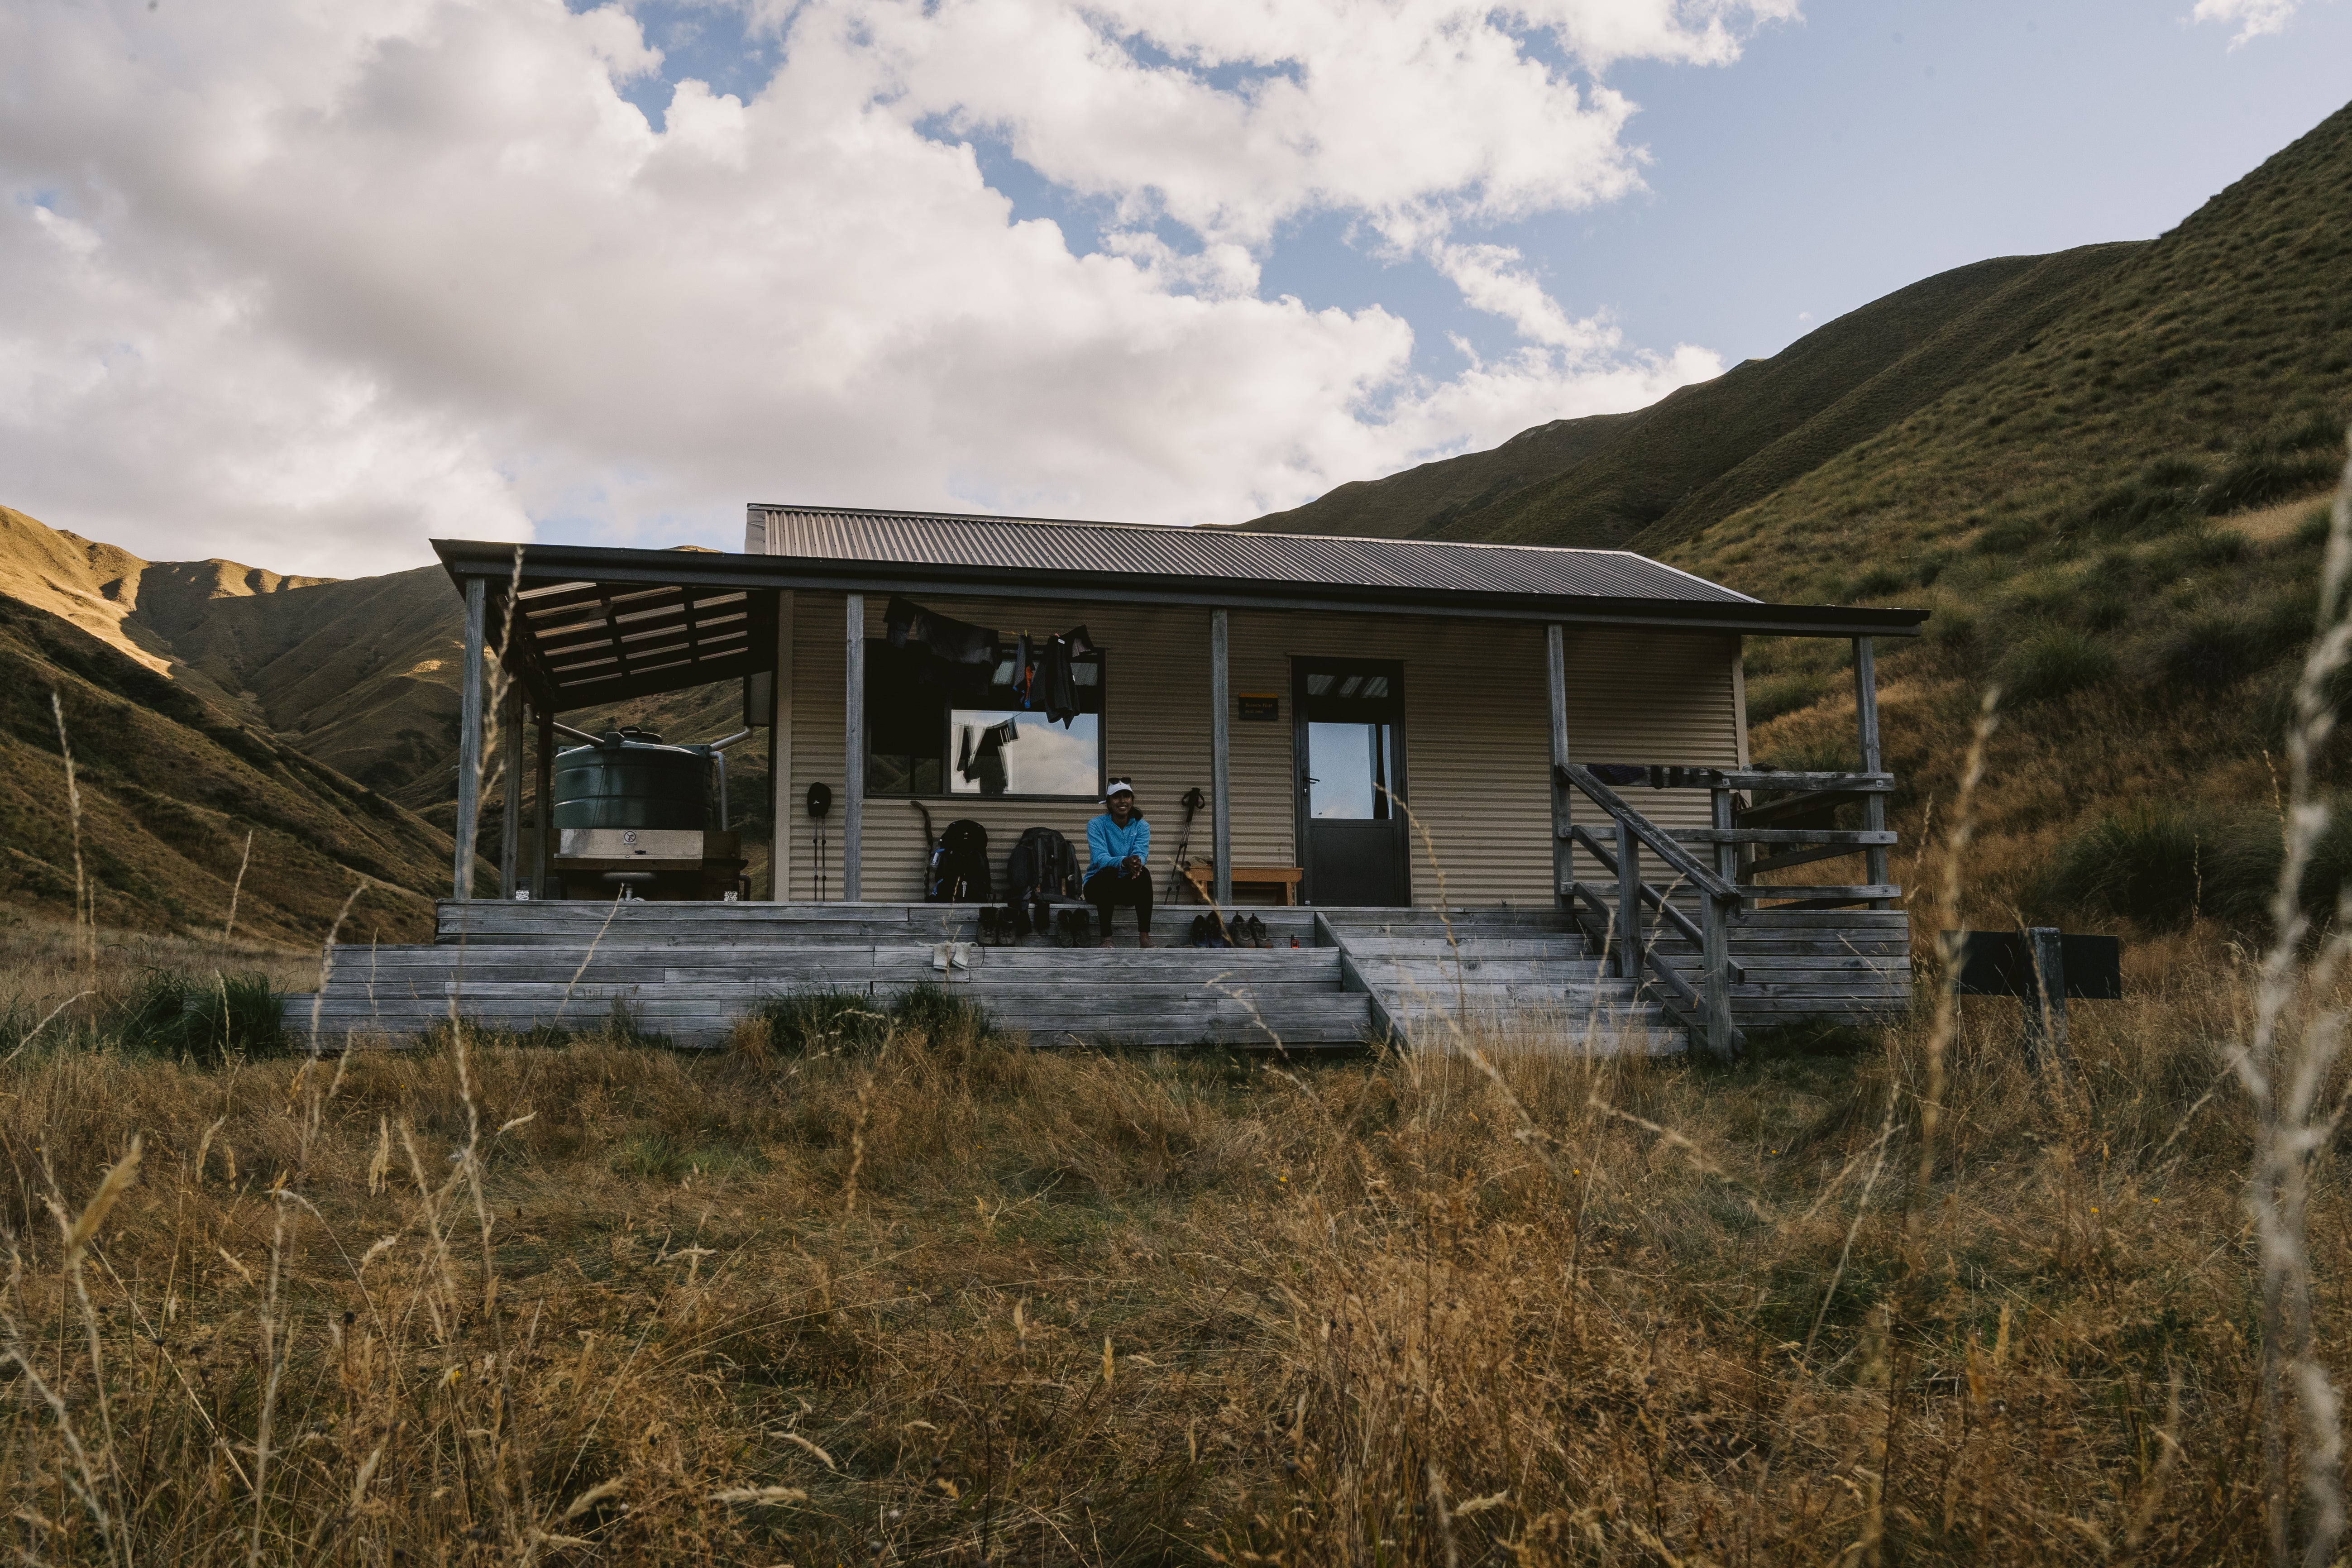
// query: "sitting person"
[[1119, 849]]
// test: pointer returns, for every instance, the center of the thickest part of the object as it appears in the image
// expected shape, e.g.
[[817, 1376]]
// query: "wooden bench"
[[1202, 875]]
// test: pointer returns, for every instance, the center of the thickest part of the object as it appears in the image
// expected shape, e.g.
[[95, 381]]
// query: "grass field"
[[863, 1289]]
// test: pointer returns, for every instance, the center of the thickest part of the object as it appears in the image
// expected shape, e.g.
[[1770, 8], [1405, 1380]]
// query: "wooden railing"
[[1793, 823]]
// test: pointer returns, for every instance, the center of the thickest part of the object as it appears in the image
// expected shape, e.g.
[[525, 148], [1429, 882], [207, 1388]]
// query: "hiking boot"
[[1199, 931], [988, 925], [1257, 929]]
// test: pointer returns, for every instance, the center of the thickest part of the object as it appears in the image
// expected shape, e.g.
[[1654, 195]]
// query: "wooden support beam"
[[542, 821], [780, 754], [510, 791], [1220, 761], [1722, 1036], [1629, 903], [1870, 893], [1865, 710], [1726, 848], [1855, 838], [469, 740], [853, 794], [1843, 783], [1563, 851]]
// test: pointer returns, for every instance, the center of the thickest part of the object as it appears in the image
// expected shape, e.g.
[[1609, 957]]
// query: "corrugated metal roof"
[[834, 533]]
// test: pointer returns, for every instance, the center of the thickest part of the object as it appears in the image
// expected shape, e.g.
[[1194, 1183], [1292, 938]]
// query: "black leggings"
[[1106, 891]]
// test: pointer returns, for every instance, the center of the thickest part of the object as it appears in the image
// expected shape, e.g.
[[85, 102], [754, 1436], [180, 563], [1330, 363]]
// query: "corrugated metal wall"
[[1476, 732]]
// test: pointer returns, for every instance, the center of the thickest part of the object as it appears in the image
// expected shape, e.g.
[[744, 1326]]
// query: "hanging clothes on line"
[[1043, 679], [1056, 689], [958, 642], [980, 755]]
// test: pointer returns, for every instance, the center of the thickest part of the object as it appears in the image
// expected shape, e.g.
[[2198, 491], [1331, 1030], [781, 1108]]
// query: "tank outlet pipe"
[[575, 734], [718, 755]]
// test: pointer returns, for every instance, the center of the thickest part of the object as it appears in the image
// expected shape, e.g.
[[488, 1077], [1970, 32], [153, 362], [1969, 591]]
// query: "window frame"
[[1101, 657]]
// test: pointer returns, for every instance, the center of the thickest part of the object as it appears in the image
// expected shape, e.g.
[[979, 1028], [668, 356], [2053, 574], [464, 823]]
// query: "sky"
[[306, 287]]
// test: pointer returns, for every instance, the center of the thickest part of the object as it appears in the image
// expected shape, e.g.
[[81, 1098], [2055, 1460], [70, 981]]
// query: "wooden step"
[[1329, 1018]]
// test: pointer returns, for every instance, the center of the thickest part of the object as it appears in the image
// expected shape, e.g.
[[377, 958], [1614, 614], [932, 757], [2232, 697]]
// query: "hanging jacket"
[[1042, 863]]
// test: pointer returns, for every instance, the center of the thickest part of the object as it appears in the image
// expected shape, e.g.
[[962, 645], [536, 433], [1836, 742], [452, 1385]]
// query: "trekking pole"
[[1192, 802]]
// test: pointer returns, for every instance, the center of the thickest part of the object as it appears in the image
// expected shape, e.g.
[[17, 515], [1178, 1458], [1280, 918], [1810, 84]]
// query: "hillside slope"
[[1705, 450], [1421, 498], [169, 787]]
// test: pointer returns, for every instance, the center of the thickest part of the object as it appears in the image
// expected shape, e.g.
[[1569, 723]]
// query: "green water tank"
[[630, 779]]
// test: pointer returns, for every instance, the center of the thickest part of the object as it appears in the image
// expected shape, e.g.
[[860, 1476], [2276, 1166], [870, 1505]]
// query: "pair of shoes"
[[1073, 928], [1208, 931], [1257, 929]]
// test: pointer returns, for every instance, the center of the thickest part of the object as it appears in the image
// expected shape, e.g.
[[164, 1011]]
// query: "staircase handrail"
[[1654, 837], [1651, 895], [1668, 975]]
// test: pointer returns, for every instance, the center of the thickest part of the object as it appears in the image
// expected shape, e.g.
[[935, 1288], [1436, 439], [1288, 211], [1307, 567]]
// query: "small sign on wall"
[[1259, 705]]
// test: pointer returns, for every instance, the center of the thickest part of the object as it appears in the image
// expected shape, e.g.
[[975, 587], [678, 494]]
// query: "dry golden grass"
[[959, 1300]]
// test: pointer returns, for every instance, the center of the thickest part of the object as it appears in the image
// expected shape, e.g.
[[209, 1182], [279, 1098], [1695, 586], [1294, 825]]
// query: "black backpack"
[[960, 866], [1043, 863]]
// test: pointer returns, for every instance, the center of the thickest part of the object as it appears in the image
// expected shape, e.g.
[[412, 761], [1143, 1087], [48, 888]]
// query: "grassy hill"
[[170, 786], [1707, 451], [2101, 470], [1420, 499]]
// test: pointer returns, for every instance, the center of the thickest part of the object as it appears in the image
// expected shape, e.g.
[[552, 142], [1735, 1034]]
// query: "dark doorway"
[[1348, 738]]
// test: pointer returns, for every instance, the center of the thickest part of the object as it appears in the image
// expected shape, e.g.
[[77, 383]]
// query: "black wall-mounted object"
[[2000, 964], [820, 799]]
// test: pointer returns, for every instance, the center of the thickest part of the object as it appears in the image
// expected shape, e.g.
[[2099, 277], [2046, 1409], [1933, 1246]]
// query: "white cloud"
[[306, 285], [2253, 18]]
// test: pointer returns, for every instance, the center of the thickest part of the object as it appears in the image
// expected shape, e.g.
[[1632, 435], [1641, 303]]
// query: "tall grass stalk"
[[2297, 1038], [85, 915]]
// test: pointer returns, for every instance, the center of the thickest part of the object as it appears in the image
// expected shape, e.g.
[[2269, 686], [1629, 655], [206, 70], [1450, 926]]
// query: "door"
[[1347, 736]]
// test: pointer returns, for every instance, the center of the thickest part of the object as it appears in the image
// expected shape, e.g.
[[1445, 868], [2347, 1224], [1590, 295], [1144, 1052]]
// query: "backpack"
[[1042, 863], [959, 873]]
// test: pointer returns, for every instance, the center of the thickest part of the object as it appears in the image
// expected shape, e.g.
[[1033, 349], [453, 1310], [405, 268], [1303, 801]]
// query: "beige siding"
[[1477, 750], [1651, 697]]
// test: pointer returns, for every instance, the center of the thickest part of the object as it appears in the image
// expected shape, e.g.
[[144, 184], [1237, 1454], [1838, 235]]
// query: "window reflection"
[[1351, 766], [1005, 751]]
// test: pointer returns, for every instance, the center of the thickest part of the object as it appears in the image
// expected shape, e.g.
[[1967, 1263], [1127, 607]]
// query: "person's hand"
[[1133, 865]]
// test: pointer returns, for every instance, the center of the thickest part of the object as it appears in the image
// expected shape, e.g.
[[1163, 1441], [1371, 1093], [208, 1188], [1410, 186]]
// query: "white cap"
[[1119, 787]]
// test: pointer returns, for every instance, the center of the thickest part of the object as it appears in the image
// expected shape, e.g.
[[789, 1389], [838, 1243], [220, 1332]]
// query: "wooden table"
[[1202, 875]]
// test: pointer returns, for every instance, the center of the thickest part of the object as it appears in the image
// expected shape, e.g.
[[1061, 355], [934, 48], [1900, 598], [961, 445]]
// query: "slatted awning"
[[576, 643]]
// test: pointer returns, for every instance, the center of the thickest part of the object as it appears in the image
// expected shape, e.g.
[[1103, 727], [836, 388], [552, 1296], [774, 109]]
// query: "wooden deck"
[[688, 972]]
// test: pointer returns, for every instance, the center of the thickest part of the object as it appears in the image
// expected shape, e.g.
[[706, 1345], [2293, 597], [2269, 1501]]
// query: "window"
[[938, 729]]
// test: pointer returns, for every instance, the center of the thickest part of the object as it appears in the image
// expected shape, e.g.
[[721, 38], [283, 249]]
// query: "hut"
[[1441, 779]]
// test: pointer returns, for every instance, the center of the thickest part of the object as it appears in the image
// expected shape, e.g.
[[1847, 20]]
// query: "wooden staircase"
[[1480, 976]]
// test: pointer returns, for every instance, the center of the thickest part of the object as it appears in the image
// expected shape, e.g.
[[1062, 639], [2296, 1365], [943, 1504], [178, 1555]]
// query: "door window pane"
[[1351, 769]]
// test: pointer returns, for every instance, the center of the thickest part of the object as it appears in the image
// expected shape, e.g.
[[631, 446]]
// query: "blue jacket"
[[1108, 843]]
